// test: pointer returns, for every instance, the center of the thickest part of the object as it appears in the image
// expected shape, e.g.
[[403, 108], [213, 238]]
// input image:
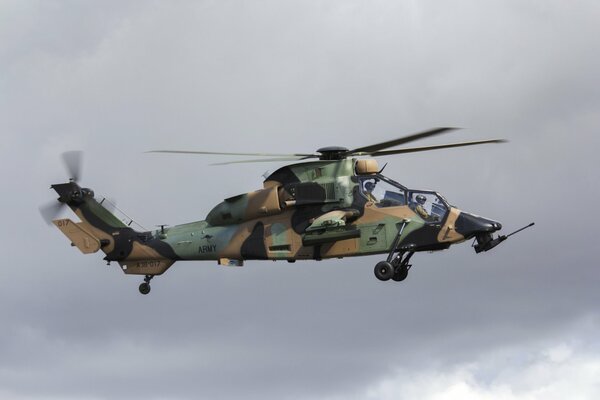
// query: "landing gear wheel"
[[144, 288], [400, 273], [384, 271]]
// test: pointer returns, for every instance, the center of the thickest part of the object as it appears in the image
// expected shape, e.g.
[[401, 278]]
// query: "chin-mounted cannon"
[[485, 241]]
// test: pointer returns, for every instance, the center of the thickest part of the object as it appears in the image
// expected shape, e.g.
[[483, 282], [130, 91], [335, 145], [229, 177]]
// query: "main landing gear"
[[396, 266], [395, 269], [145, 286]]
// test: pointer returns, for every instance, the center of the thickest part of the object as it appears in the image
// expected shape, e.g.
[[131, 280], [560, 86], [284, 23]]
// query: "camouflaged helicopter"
[[338, 206]]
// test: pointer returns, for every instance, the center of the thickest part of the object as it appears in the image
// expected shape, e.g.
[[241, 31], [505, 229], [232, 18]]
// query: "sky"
[[116, 79]]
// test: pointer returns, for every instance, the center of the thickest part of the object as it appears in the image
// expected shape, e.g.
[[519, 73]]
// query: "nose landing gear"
[[145, 286]]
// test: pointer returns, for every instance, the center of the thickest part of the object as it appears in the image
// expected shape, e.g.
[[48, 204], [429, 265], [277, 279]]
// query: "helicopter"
[[334, 205]]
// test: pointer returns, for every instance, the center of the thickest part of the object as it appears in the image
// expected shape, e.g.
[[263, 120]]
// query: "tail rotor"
[[72, 161]]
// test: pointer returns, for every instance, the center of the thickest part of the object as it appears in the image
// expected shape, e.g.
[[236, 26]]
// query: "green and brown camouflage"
[[305, 211], [340, 206]]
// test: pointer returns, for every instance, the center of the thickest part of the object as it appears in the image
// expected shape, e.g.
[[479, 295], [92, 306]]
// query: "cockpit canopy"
[[339, 181], [384, 192]]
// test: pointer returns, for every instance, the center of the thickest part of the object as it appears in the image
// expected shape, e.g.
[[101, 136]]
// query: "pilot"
[[420, 209], [369, 187]]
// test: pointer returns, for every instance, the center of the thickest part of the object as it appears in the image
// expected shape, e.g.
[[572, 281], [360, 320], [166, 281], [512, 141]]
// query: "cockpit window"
[[382, 191], [428, 205]]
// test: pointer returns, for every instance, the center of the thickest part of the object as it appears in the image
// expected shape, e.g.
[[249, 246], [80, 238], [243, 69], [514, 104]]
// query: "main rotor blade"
[[50, 211], [402, 140], [72, 161], [435, 147], [267, 160], [232, 154]]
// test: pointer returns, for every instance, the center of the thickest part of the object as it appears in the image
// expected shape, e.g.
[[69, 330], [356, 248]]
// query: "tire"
[[384, 271], [400, 273], [144, 288]]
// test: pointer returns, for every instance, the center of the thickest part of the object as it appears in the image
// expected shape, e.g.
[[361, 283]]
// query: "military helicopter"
[[337, 206]]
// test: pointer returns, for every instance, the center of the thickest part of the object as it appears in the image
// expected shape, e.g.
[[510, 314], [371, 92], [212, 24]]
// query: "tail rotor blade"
[[72, 161], [50, 211]]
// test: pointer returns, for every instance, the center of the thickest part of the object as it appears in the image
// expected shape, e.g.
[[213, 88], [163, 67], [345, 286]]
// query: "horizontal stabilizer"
[[146, 267], [78, 235]]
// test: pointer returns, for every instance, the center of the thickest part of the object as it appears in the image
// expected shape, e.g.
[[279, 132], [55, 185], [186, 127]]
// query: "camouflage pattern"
[[306, 211]]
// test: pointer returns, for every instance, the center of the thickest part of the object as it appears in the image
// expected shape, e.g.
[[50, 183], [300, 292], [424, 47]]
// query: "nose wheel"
[[145, 286]]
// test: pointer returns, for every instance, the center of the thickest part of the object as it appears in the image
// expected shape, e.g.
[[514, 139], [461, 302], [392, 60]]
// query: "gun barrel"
[[519, 230]]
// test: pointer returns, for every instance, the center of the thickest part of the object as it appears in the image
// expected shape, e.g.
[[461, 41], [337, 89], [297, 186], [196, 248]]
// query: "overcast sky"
[[116, 79]]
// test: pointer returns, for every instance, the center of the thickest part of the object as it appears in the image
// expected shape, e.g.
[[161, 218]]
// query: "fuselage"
[[314, 210], [320, 210]]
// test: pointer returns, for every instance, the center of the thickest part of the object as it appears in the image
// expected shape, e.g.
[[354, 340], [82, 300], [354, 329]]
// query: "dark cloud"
[[119, 79]]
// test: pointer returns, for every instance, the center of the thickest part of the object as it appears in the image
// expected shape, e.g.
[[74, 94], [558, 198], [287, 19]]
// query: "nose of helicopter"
[[469, 225]]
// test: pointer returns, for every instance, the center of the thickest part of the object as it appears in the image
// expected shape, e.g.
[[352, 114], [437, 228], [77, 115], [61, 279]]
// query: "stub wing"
[[330, 227]]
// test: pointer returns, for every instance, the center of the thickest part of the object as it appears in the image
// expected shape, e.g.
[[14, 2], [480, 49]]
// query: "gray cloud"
[[119, 79]]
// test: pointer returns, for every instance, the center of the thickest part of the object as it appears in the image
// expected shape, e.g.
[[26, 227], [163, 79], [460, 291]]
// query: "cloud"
[[540, 379], [558, 370], [117, 79]]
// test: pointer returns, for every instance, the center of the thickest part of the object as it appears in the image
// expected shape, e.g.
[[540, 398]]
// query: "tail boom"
[[139, 253]]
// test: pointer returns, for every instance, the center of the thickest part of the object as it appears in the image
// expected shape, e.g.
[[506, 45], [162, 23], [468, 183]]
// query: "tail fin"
[[138, 252], [82, 202], [98, 225], [80, 236]]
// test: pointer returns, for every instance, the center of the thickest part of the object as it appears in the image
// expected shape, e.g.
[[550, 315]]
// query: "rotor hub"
[[333, 153]]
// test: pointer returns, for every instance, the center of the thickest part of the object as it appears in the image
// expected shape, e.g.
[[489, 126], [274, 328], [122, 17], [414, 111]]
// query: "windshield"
[[428, 205], [385, 192], [382, 191]]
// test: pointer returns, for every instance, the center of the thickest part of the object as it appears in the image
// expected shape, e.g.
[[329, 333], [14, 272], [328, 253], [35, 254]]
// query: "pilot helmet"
[[421, 199]]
